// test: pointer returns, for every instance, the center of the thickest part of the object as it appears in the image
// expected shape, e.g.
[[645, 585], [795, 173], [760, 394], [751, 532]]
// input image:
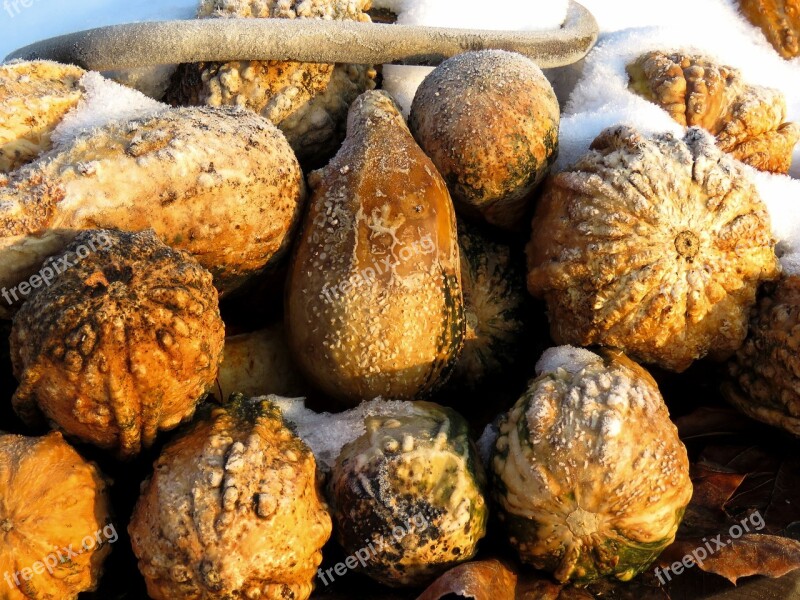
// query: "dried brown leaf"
[[751, 554], [481, 580]]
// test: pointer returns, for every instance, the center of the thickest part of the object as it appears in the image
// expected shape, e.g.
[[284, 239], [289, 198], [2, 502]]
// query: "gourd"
[[34, 98], [779, 20], [489, 121], [493, 282], [748, 121], [122, 343], [653, 245], [374, 304], [51, 501], [232, 510], [410, 492], [764, 374], [308, 101], [222, 184], [589, 475]]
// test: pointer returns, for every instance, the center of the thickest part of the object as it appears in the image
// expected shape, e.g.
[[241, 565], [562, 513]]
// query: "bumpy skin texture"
[[493, 282], [489, 121], [590, 476], [121, 345], [34, 98], [50, 499], [374, 303], [232, 511], [417, 473], [308, 101], [222, 184], [748, 121], [765, 373], [780, 22], [652, 245]]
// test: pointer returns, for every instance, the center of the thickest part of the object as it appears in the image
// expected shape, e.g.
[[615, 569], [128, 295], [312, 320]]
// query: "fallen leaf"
[[751, 554], [481, 580], [535, 587], [706, 422]]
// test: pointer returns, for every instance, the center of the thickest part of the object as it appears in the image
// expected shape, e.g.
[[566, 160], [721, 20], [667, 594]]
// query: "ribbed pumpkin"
[[51, 501], [780, 22]]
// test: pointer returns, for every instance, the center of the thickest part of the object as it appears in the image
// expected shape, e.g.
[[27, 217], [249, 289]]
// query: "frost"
[[326, 433], [715, 28], [104, 102], [571, 359]]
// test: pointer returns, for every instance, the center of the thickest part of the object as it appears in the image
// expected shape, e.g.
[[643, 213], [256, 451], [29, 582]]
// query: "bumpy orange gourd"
[[51, 501]]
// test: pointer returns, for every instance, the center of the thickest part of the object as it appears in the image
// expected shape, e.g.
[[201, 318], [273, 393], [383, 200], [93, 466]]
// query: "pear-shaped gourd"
[[374, 303]]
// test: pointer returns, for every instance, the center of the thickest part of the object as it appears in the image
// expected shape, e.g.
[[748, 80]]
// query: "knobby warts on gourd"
[[654, 245], [121, 345], [748, 121], [232, 510], [590, 477], [308, 101]]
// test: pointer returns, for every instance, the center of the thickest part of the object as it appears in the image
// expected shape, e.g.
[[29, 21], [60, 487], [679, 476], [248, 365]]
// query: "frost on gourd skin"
[[653, 245], [308, 101], [764, 375], [410, 490], [374, 302], [489, 121], [590, 477], [50, 499], [222, 184], [120, 345], [232, 510], [34, 98], [780, 22], [748, 121]]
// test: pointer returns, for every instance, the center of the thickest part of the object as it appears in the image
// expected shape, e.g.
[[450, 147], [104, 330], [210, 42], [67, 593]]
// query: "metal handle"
[[305, 40]]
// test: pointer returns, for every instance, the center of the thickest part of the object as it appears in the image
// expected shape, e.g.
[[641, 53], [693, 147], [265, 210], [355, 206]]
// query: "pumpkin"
[[258, 364], [222, 184], [408, 494], [779, 20], [34, 98], [764, 375], [489, 121], [308, 101], [374, 304], [590, 477], [748, 121], [653, 245], [232, 510], [493, 283], [55, 529], [122, 343]]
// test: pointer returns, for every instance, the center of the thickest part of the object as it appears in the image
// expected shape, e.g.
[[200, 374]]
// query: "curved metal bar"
[[306, 40]]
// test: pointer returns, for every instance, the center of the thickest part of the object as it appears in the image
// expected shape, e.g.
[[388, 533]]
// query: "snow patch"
[[571, 359], [104, 102], [326, 433]]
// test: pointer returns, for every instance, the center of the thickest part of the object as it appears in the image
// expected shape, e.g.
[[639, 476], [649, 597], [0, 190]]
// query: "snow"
[[402, 81], [104, 102], [571, 359], [325, 433], [715, 28]]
